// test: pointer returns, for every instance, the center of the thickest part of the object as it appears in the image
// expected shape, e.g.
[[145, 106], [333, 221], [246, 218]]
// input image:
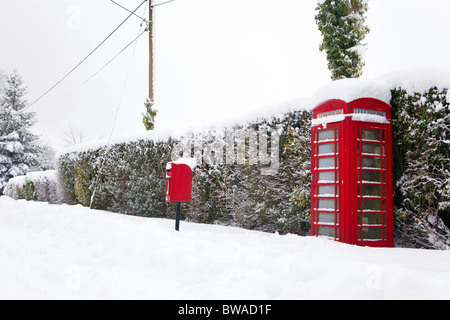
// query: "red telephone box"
[[178, 182], [351, 165]]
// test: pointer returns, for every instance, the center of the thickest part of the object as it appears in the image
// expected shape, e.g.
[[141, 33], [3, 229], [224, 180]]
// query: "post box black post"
[[177, 218]]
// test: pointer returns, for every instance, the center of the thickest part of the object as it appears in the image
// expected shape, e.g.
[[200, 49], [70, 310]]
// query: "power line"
[[73, 69], [160, 4], [117, 110], [142, 18], [113, 58], [104, 66]]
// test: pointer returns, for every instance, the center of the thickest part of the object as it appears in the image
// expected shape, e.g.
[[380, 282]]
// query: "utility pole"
[[150, 50]]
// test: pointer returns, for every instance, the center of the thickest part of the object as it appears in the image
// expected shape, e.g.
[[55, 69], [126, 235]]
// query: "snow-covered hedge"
[[37, 186], [129, 177], [421, 128]]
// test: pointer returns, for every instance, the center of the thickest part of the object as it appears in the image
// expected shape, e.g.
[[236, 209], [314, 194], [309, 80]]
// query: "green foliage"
[[127, 178], [299, 216], [341, 23], [36, 186], [421, 126], [66, 169], [148, 118], [82, 180], [25, 190], [28, 191]]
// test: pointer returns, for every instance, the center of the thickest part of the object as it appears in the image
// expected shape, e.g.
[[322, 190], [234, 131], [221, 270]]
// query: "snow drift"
[[71, 252]]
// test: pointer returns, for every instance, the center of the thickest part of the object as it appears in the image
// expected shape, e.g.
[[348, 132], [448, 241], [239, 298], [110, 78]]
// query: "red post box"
[[178, 182], [179, 185], [351, 165]]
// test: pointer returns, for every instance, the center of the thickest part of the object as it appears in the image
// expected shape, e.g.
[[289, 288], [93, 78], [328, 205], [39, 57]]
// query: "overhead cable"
[[81, 62]]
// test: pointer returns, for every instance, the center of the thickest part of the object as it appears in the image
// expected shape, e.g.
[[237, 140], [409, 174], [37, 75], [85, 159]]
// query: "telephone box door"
[[326, 186]]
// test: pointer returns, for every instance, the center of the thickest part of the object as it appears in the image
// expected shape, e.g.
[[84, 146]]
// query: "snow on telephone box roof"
[[363, 110]]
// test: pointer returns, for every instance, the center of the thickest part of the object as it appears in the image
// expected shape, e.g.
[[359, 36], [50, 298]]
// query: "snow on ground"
[[71, 252]]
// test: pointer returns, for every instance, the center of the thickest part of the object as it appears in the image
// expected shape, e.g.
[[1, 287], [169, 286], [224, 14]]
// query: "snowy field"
[[71, 252]]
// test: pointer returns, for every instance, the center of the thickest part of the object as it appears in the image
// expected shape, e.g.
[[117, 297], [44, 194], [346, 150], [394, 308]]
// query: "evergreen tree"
[[148, 118], [341, 23], [20, 151]]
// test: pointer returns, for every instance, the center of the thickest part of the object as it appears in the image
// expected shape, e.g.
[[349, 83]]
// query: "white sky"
[[214, 59]]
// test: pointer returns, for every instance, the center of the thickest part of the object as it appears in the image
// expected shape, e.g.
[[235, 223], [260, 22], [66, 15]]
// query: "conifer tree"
[[20, 151], [341, 23]]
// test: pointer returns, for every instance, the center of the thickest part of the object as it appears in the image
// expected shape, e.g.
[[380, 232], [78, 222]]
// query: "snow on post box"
[[178, 182]]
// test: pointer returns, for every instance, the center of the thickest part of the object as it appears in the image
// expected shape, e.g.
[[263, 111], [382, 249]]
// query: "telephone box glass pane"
[[369, 176], [327, 176], [370, 162], [326, 217], [368, 134], [371, 234], [370, 190], [324, 231], [326, 148], [371, 204], [326, 204], [327, 190], [371, 148], [369, 219], [325, 163], [326, 135]]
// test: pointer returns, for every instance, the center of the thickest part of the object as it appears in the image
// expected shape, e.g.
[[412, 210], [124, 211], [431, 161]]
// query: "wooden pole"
[[150, 72]]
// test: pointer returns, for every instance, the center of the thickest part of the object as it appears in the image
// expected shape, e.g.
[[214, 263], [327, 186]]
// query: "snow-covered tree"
[[20, 151], [422, 168], [341, 23]]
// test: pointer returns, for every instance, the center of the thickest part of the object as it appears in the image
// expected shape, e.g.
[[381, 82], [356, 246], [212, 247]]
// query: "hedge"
[[37, 186], [421, 130], [130, 177]]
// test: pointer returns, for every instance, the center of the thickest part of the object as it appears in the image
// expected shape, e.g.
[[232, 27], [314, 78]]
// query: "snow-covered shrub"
[[130, 178], [275, 202], [36, 186], [127, 177], [421, 126]]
